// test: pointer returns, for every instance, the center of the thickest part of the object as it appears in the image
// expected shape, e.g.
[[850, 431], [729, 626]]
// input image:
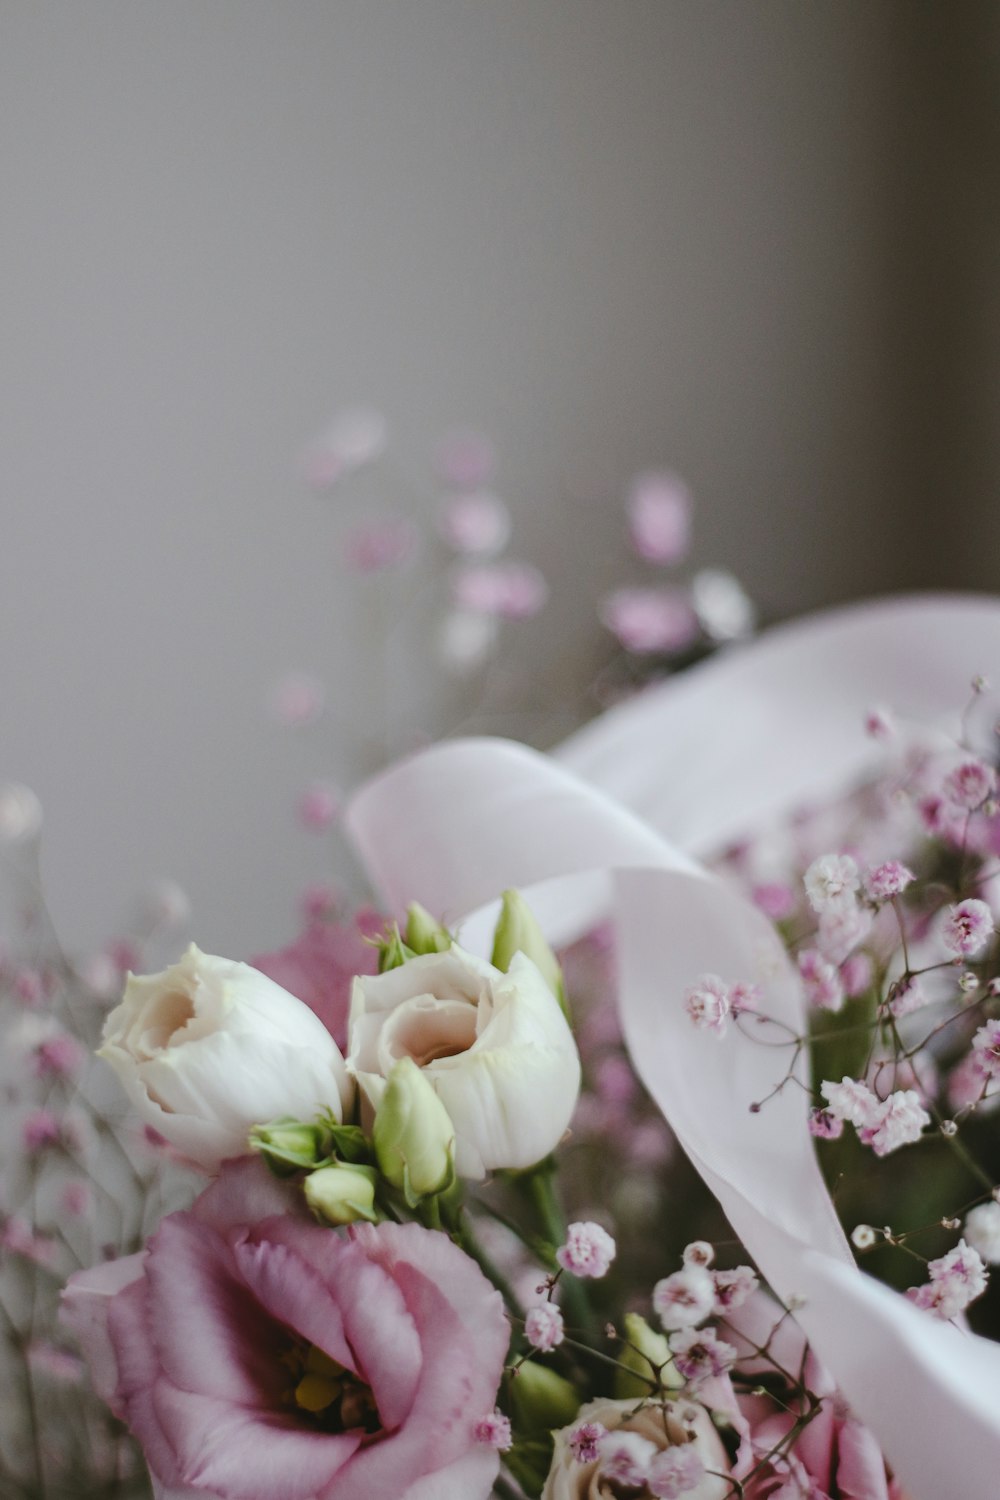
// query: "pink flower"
[[820, 980], [659, 517], [584, 1441], [650, 620], [477, 525], [707, 1004], [494, 1430], [986, 1049], [509, 590], [624, 1459], [257, 1355], [58, 1056], [825, 1125], [898, 1121], [319, 966], [588, 1251], [879, 724], [685, 1298], [888, 880], [700, 1354], [851, 1101], [465, 459], [969, 784], [831, 881], [775, 900], [376, 546], [841, 929], [967, 928], [318, 806], [543, 1327], [732, 1288], [39, 1130]]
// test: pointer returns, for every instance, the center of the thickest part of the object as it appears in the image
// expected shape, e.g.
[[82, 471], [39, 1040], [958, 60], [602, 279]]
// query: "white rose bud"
[[685, 1425], [209, 1048], [341, 1193], [496, 1048]]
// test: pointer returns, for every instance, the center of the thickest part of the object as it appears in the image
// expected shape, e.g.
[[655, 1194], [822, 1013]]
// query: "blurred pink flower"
[[356, 436], [477, 524], [465, 460], [659, 517], [376, 546], [255, 1354], [319, 805], [650, 620], [319, 966], [297, 700], [512, 590]]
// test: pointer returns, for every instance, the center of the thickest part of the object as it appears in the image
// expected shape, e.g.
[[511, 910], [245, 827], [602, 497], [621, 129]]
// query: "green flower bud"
[[423, 934], [413, 1135], [647, 1355], [541, 1400], [392, 951], [518, 932], [289, 1145], [342, 1193]]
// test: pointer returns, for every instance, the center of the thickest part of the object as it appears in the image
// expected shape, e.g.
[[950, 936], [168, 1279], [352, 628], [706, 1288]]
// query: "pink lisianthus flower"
[[258, 1356], [321, 963], [834, 1453]]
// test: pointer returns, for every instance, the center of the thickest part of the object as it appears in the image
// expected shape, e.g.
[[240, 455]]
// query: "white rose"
[[664, 1426], [496, 1047], [210, 1048]]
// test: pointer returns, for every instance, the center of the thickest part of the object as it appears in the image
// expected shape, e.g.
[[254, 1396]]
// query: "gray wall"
[[690, 231]]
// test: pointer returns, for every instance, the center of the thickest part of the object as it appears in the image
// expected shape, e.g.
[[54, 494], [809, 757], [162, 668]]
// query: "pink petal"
[[85, 1304]]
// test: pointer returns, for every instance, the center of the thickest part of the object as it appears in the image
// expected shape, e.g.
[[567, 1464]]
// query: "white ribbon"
[[721, 748]]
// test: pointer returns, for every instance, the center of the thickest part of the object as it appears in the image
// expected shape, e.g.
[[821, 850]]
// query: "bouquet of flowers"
[[394, 1285]]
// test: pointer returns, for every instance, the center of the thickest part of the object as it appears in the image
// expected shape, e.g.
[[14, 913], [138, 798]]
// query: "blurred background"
[[756, 244]]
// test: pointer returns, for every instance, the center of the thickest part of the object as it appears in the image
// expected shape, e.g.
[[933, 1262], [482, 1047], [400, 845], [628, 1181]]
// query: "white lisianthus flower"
[[496, 1047], [675, 1427], [209, 1048]]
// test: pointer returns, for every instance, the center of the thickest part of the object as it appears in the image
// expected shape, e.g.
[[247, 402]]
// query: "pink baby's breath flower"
[[899, 1121], [831, 880], [659, 517], [18, 1238], [477, 525], [700, 1354], [588, 1251], [465, 459], [967, 928], [297, 700], [774, 900], [625, 1458], [648, 621], [494, 1431], [319, 806], [963, 1266], [685, 1298], [732, 1288], [888, 880], [856, 974], [377, 546], [39, 1130], [841, 929], [698, 1253], [825, 1125], [879, 724], [851, 1101], [907, 995], [820, 980], [986, 1049], [744, 998], [508, 590], [319, 902], [675, 1472], [76, 1198], [943, 1299], [584, 1441], [58, 1056], [707, 1003], [30, 987], [969, 784], [543, 1327]]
